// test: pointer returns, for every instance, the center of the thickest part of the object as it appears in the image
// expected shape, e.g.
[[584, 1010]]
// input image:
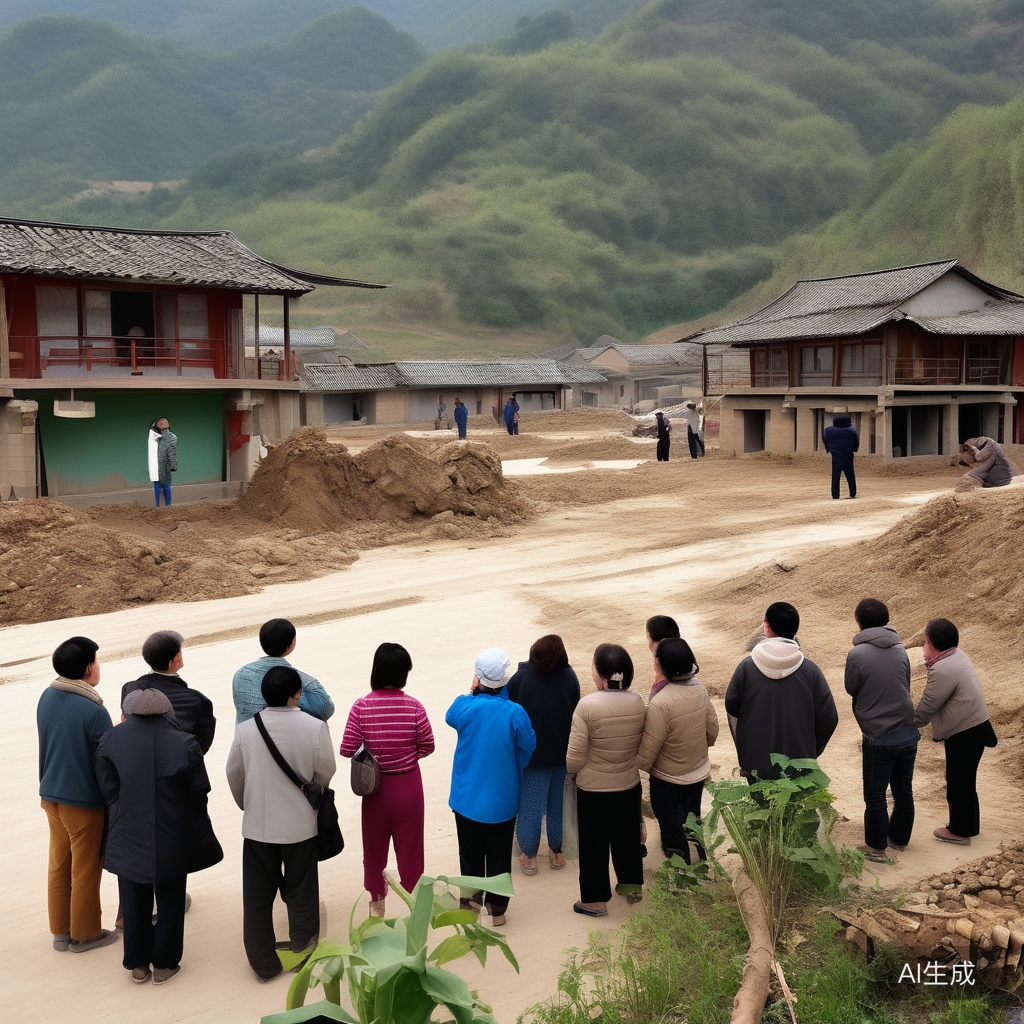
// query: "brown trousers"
[[73, 881]]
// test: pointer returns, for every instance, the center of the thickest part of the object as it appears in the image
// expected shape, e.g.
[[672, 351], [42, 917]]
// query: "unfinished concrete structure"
[[921, 358]]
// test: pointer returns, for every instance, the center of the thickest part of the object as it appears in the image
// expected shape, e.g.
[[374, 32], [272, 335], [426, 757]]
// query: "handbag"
[[365, 772], [329, 840]]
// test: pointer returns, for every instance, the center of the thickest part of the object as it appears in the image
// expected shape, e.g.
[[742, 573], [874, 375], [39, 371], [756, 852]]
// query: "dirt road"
[[591, 570]]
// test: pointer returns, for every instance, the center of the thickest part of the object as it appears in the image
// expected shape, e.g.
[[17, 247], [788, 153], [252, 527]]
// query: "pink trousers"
[[394, 812]]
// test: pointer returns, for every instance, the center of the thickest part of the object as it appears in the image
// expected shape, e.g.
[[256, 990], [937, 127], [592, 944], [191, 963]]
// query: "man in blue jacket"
[[461, 414], [71, 720], [841, 441], [496, 742]]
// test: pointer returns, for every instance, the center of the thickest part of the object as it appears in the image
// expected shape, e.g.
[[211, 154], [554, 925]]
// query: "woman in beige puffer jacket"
[[681, 725], [606, 730]]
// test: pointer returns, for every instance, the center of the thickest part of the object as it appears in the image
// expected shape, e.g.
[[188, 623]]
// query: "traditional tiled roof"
[[519, 373], [646, 355], [842, 306], [199, 259], [993, 318]]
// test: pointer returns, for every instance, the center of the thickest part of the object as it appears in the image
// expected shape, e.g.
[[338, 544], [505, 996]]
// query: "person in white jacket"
[[163, 458], [279, 830]]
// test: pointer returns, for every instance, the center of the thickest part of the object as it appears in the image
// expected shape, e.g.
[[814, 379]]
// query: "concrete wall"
[[946, 297], [18, 448]]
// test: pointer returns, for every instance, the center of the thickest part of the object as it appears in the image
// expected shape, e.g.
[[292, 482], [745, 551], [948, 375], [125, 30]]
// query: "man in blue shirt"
[[277, 638], [71, 720], [841, 441], [496, 742], [461, 415]]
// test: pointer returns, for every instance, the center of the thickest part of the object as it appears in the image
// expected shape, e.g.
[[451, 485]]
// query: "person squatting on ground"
[[71, 721], [989, 464], [548, 690], [878, 680], [394, 728], [778, 701], [193, 712], [163, 458], [681, 725], [606, 730], [694, 416], [954, 703], [664, 435], [841, 442], [154, 783], [511, 415], [461, 416], [279, 826], [495, 743], [277, 638]]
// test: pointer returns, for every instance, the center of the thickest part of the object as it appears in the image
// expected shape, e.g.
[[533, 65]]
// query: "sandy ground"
[[607, 550]]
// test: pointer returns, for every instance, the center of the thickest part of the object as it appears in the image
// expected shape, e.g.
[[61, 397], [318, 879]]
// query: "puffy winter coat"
[[841, 438], [681, 725], [153, 780], [606, 731], [878, 680]]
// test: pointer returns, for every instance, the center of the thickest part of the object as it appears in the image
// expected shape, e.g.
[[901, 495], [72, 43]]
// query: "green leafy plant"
[[392, 974]]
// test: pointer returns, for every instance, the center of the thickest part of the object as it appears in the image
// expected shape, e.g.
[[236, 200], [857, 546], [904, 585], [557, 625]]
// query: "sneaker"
[[140, 975], [498, 921], [946, 836], [870, 853], [895, 846], [61, 942], [105, 938], [164, 974]]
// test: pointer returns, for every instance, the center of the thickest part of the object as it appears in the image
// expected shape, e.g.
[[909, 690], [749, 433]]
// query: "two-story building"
[[102, 330], [920, 357]]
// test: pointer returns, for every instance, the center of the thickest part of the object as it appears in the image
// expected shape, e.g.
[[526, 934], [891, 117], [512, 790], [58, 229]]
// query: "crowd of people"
[[132, 797]]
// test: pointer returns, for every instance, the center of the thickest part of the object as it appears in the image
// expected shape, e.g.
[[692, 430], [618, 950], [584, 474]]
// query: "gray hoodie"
[[878, 680]]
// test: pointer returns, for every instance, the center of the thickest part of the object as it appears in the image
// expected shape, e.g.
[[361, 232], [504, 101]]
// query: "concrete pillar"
[[18, 448], [883, 431], [805, 430], [315, 409], [727, 429], [780, 430]]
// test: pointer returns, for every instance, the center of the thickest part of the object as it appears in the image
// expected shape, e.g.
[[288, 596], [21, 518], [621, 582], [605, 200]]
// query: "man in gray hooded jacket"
[[878, 680], [778, 702]]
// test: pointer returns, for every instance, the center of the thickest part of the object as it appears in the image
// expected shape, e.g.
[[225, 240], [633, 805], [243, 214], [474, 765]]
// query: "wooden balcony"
[[118, 357]]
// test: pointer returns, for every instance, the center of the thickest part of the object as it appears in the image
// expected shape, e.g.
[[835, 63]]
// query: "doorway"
[[131, 316]]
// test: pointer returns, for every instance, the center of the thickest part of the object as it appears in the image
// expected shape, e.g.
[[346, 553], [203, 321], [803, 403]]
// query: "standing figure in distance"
[[841, 441], [693, 414], [664, 436], [163, 458], [461, 414], [442, 413], [512, 415]]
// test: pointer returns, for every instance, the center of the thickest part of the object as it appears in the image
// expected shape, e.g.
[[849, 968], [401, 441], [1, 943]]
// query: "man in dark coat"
[[154, 783], [512, 415], [778, 702], [841, 441], [664, 436], [193, 711], [461, 414]]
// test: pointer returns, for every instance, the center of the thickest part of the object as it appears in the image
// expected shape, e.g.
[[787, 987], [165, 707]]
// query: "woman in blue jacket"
[[496, 741]]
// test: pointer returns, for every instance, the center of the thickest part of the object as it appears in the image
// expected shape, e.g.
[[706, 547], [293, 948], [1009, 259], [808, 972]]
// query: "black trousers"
[[485, 849], [663, 446], [695, 443], [963, 755], [291, 870], [672, 804], [843, 465], [145, 943], [608, 821]]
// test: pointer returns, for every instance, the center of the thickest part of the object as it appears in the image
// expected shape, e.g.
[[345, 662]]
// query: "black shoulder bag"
[[329, 841]]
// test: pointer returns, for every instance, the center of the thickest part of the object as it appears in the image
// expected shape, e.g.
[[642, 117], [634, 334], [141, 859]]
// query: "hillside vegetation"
[[85, 100]]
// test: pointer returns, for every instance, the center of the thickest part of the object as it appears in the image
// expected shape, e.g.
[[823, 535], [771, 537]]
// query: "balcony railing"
[[118, 357], [924, 371], [985, 371]]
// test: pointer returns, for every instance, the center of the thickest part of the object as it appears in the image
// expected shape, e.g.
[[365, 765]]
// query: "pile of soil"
[[997, 880], [309, 510], [600, 448]]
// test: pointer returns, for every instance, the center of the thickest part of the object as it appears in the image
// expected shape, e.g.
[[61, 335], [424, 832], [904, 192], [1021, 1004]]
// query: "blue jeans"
[[165, 488], [888, 768], [540, 796]]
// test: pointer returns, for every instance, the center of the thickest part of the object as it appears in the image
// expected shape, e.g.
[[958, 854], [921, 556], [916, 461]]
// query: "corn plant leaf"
[[483, 938], [315, 1011], [500, 885], [450, 917], [383, 947], [453, 948], [418, 923], [447, 988], [396, 887]]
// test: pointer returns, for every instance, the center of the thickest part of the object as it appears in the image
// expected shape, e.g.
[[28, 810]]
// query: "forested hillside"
[[84, 100]]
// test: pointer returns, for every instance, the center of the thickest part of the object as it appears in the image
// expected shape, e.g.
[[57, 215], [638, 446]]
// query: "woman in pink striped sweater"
[[395, 729]]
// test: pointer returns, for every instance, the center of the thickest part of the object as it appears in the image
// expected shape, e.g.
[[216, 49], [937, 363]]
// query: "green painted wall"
[[109, 453]]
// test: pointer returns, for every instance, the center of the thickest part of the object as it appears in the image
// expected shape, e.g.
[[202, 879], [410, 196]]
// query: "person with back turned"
[[841, 441]]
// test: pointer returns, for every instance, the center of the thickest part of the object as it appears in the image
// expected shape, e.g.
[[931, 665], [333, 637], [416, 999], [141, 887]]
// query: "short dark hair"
[[73, 658], [942, 634], [611, 659], [279, 685], [276, 636], [547, 654], [871, 613], [675, 658], [161, 648], [783, 619], [392, 664], [662, 627]]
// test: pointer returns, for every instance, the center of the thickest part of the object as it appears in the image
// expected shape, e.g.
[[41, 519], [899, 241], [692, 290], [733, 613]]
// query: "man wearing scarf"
[[778, 702], [72, 720]]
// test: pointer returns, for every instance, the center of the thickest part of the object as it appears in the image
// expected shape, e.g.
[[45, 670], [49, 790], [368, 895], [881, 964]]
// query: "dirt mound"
[[601, 448], [996, 879]]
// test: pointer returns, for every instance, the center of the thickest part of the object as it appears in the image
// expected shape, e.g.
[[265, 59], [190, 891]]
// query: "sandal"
[[555, 865], [524, 865], [875, 856]]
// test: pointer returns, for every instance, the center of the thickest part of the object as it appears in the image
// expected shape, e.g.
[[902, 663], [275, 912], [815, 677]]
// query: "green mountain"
[[84, 100]]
